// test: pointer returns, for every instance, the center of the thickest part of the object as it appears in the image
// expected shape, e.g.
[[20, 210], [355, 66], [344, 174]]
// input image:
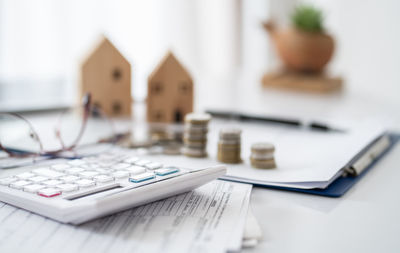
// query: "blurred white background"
[[46, 40], [43, 41]]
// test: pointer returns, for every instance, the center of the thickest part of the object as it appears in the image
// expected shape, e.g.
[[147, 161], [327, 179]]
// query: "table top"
[[365, 218]]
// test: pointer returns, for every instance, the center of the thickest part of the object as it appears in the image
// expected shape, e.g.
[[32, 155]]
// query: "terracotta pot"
[[300, 50]]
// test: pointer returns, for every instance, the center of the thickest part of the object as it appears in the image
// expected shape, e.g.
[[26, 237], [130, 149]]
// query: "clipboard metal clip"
[[370, 155]]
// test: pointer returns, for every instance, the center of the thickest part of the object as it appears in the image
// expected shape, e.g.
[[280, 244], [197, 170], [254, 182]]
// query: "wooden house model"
[[106, 74], [169, 92]]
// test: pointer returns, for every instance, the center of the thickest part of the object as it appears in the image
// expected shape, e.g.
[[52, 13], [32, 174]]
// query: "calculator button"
[[38, 179], [94, 166], [142, 177], [60, 167], [91, 159], [74, 170], [7, 180], [85, 183], [67, 187], [103, 171], [33, 188], [76, 162], [120, 166], [25, 175], [134, 170], [88, 174], [153, 166], [103, 178], [19, 184], [105, 157], [49, 192], [142, 162], [166, 171], [131, 160], [85, 166], [52, 182], [48, 173], [69, 179], [120, 174], [106, 164]]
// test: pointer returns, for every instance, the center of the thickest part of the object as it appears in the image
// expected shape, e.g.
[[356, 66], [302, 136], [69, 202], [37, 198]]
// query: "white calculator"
[[75, 191]]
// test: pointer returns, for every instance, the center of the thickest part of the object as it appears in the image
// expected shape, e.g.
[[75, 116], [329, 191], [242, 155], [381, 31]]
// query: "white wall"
[[368, 39], [47, 39]]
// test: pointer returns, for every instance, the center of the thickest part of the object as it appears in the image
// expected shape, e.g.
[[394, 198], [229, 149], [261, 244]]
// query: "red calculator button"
[[49, 192]]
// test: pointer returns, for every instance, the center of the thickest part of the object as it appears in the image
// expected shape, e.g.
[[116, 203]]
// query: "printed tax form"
[[209, 219]]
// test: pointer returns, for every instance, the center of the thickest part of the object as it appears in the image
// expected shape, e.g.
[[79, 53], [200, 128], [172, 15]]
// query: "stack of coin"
[[172, 148], [158, 132], [195, 134], [262, 155], [229, 146]]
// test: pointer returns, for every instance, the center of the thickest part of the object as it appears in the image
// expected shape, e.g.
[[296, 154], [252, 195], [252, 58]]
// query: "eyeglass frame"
[[87, 105]]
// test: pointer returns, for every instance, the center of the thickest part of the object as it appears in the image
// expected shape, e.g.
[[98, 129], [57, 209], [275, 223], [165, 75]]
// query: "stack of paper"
[[209, 219]]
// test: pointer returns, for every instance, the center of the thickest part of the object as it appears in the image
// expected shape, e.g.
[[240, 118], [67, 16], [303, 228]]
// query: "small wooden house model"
[[169, 92], [106, 74]]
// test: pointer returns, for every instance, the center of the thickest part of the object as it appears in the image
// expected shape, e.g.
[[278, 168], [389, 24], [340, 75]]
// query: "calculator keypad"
[[87, 173]]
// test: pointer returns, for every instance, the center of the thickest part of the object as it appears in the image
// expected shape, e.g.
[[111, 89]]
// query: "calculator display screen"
[[91, 193]]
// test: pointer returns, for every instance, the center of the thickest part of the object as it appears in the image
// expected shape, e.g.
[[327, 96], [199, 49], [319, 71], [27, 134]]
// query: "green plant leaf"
[[308, 18]]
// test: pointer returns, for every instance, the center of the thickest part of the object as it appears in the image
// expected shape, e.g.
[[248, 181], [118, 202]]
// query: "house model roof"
[[169, 64], [102, 43]]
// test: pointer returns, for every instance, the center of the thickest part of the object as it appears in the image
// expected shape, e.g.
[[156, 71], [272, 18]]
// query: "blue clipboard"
[[342, 184]]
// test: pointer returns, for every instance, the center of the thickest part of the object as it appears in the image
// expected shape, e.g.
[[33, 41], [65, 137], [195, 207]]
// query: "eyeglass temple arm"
[[87, 99], [33, 132]]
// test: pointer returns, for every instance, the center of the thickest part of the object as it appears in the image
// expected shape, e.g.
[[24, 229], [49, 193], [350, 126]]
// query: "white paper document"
[[209, 219], [305, 159]]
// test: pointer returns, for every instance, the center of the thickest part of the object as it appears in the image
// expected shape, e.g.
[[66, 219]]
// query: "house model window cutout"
[[169, 92], [106, 74]]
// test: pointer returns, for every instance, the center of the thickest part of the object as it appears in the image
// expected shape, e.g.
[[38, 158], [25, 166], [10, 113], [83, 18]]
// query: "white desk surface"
[[365, 219]]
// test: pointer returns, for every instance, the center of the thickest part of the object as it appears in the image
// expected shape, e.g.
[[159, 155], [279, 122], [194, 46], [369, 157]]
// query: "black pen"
[[274, 120]]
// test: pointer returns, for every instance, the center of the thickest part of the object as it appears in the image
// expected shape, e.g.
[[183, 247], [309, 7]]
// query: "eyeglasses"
[[73, 131]]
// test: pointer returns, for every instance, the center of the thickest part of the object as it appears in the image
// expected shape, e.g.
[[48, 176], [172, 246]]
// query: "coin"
[[195, 134], [230, 133], [194, 137], [229, 145], [262, 156], [172, 149], [197, 118], [194, 152], [199, 128], [262, 147], [263, 164]]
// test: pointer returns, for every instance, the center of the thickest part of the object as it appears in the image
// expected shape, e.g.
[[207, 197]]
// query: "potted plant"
[[305, 46]]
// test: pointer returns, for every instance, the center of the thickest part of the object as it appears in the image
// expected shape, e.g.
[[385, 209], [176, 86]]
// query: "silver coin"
[[230, 133], [198, 118], [262, 147]]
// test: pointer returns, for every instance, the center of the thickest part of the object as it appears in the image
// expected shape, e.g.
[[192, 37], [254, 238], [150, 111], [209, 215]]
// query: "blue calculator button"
[[142, 177], [166, 171]]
